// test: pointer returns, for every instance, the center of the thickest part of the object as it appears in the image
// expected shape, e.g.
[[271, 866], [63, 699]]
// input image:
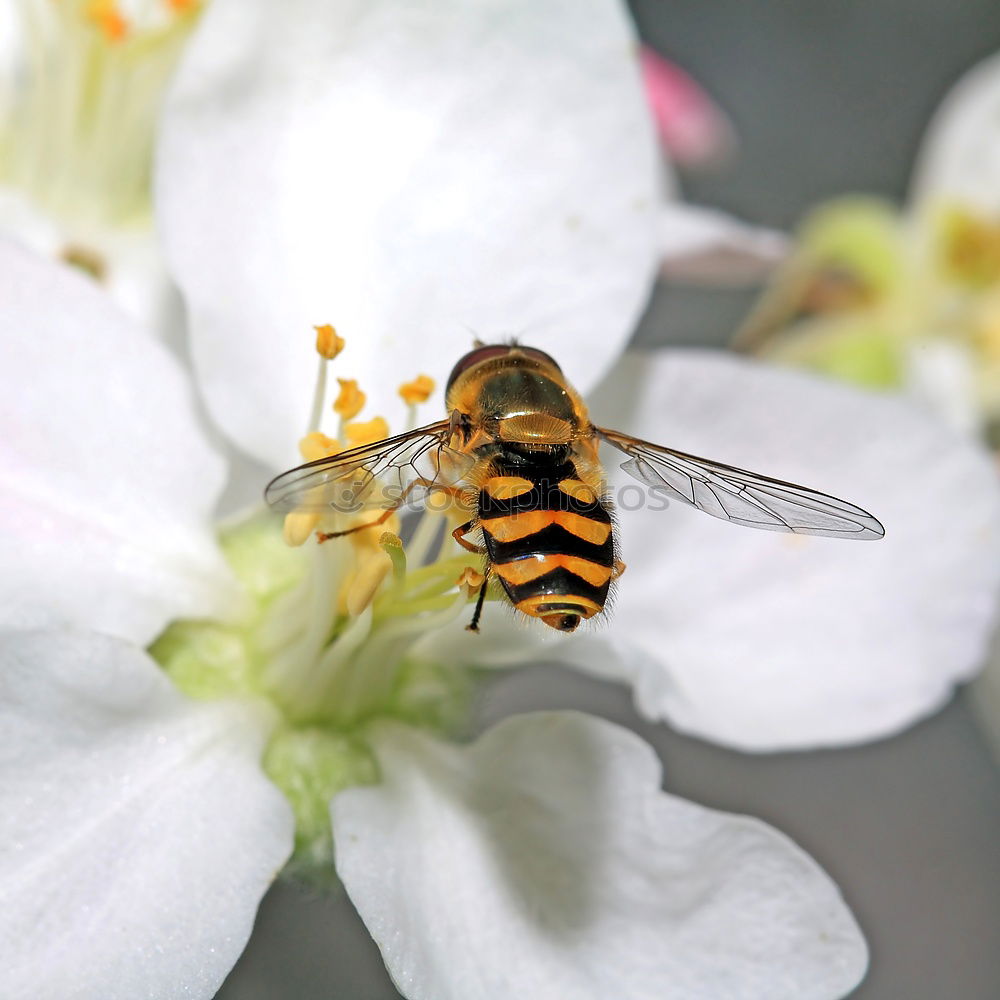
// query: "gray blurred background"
[[827, 97]]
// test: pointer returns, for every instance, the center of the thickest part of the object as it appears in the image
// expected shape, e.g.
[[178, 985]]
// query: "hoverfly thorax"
[[516, 395]]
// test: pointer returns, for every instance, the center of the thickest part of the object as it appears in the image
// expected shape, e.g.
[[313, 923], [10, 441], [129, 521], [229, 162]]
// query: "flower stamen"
[[298, 526], [350, 401], [413, 393], [328, 346], [392, 545], [365, 432], [328, 342], [109, 19], [316, 445]]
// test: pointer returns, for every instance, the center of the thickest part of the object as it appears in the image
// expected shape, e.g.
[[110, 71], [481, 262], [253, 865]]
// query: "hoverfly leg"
[[473, 626], [459, 535], [421, 483], [325, 536]]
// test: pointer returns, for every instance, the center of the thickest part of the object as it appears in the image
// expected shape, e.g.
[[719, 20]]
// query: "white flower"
[[156, 805], [138, 830]]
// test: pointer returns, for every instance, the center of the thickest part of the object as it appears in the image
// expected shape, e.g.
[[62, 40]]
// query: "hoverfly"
[[518, 451]]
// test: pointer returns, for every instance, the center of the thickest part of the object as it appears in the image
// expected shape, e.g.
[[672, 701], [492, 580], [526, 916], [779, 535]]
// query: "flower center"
[[329, 638], [969, 246], [76, 134]]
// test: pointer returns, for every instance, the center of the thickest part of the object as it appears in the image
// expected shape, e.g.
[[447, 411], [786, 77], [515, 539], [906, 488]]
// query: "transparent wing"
[[374, 475], [740, 496]]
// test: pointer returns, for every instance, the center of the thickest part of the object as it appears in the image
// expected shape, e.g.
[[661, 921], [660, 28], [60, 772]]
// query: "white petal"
[[129, 258], [960, 155], [137, 832], [503, 640], [416, 175], [941, 374], [762, 640], [106, 481], [705, 246], [544, 861]]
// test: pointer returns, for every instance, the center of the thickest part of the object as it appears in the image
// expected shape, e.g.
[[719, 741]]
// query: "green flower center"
[[329, 672], [329, 635]]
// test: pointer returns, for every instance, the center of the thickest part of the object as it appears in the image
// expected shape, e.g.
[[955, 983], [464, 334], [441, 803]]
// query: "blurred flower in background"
[[694, 130], [906, 299], [81, 86]]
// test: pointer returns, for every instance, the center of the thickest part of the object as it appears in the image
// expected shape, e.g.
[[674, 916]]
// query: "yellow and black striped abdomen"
[[550, 541]]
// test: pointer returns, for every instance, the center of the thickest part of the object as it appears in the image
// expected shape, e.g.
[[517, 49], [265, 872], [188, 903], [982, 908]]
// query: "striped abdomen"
[[550, 541]]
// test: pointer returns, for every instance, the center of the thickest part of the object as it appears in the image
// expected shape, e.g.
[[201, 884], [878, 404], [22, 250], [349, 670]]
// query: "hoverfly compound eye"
[[474, 357], [537, 355], [490, 351]]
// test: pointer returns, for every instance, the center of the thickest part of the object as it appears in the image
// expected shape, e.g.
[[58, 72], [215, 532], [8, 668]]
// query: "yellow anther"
[[350, 401], [471, 580], [365, 583], [299, 525], [328, 344], [182, 6], [85, 259], [417, 391], [106, 16], [316, 445], [366, 432]]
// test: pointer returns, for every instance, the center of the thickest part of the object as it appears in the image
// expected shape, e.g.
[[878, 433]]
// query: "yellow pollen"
[[392, 546], [390, 540], [328, 344], [365, 583], [299, 525], [182, 6], [417, 391], [316, 445], [106, 16], [350, 401], [368, 432]]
